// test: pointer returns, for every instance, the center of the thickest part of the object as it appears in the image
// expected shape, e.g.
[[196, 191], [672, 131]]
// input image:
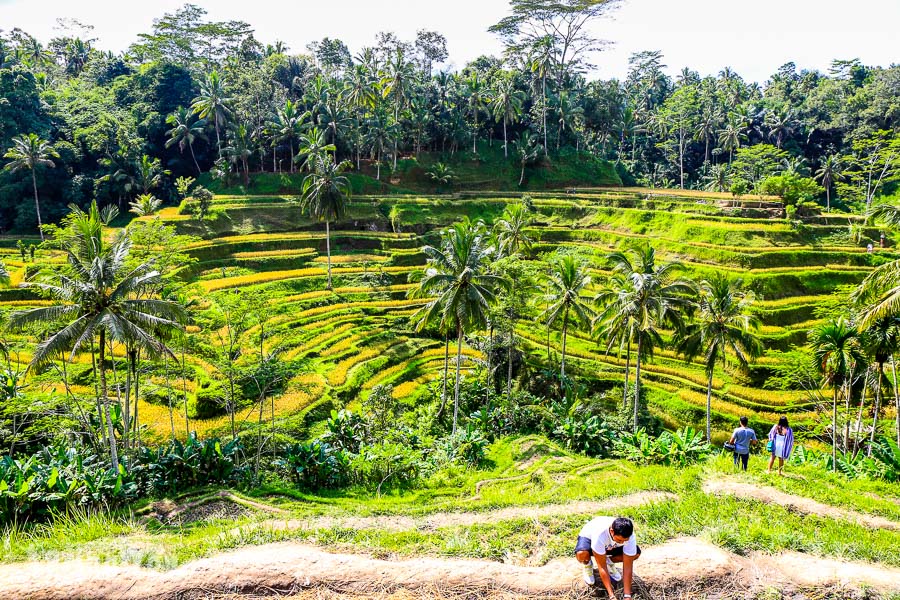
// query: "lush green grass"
[[522, 472]]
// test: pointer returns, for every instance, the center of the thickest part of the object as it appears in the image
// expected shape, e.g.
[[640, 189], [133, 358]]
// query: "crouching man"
[[611, 541]]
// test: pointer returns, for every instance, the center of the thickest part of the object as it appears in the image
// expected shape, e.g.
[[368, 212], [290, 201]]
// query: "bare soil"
[[769, 495], [676, 567], [450, 519]]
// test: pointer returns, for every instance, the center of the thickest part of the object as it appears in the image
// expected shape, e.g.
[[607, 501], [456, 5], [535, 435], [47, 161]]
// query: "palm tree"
[[145, 205], [829, 171], [240, 150], [528, 149], [286, 126], [398, 78], [314, 147], [99, 298], [507, 106], [568, 112], [835, 346], [213, 104], [541, 63], [731, 136], [150, 173], [565, 296], [511, 230], [655, 297], [457, 277], [325, 194], [512, 238], [881, 339], [477, 96], [29, 151], [723, 324], [185, 131], [615, 321]]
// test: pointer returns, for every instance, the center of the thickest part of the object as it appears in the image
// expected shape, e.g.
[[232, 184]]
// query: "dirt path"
[[286, 567], [770, 495], [450, 519]]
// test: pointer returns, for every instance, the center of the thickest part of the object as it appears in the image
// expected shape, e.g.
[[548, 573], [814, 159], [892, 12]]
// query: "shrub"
[[177, 466], [315, 465], [586, 434], [681, 448], [884, 463], [386, 464], [345, 431], [209, 400], [467, 446], [57, 479]]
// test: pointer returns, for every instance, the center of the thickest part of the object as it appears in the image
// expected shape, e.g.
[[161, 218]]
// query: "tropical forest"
[[359, 322]]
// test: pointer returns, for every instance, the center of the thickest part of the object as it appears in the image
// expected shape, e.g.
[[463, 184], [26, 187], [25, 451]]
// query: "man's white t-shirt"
[[597, 530]]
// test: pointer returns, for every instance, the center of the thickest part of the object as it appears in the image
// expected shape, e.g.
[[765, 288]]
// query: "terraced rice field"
[[341, 343]]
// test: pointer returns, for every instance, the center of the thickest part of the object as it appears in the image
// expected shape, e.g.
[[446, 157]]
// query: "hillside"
[[254, 271], [348, 340]]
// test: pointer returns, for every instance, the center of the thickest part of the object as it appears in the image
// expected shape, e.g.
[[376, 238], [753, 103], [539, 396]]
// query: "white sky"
[[754, 38]]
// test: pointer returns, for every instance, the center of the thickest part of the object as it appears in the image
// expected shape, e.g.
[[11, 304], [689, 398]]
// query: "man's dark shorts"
[[585, 544]]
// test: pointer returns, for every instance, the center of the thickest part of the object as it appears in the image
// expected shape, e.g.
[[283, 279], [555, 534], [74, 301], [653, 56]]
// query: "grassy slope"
[[522, 472]]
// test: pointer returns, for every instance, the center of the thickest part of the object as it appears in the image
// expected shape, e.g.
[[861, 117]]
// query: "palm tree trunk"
[[169, 395], [505, 140], [446, 368], [459, 340], [37, 204], [562, 362], [637, 381], [191, 146], [328, 250], [544, 109], [113, 450], [848, 389], [859, 416], [218, 140], [137, 392], [627, 369], [896, 396], [834, 430], [490, 379], [709, 405], [880, 374], [828, 198], [522, 174], [509, 355], [187, 423]]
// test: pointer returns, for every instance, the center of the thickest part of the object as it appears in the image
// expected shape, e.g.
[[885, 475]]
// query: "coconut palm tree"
[[99, 298], [528, 148], [145, 205], [185, 131], [457, 277], [325, 193], [149, 173], [286, 126], [511, 230], [213, 104], [724, 323], [881, 340], [541, 64], [655, 298], [830, 170], [507, 104], [568, 112], [29, 151], [835, 346], [566, 286], [615, 321], [477, 98], [314, 147]]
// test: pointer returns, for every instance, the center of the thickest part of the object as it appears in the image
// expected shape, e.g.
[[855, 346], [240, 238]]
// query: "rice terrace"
[[301, 320]]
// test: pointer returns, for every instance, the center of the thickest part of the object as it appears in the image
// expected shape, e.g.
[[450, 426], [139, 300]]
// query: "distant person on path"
[[781, 443], [742, 438], [611, 541]]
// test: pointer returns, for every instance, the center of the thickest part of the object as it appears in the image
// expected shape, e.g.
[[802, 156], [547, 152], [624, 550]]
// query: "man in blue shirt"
[[742, 437]]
